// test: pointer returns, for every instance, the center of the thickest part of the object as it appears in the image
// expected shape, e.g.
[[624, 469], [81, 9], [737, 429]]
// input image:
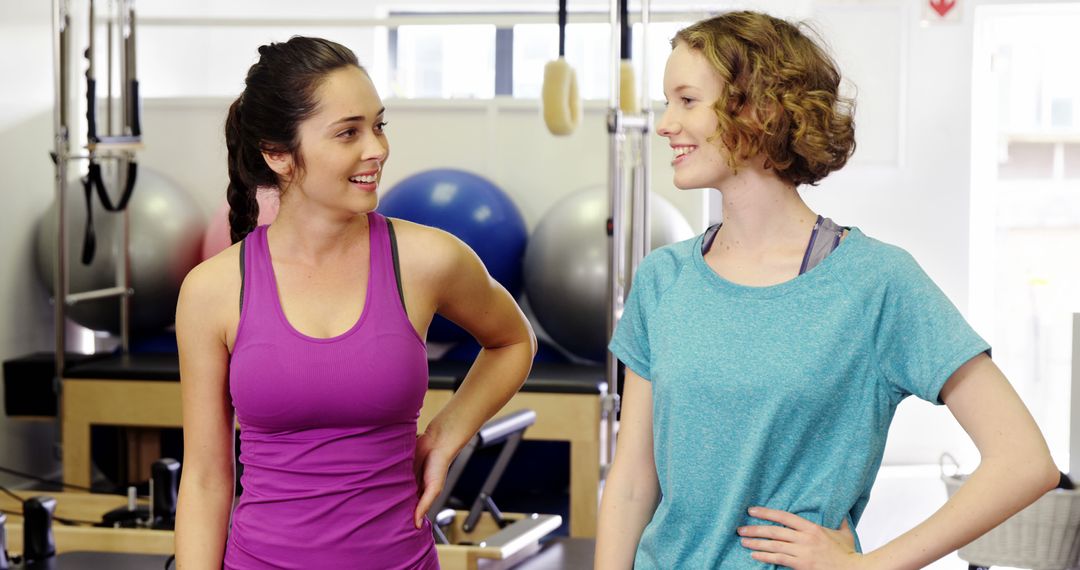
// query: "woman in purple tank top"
[[309, 333]]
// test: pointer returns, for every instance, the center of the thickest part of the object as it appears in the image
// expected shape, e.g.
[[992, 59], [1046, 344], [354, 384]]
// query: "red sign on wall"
[[941, 11]]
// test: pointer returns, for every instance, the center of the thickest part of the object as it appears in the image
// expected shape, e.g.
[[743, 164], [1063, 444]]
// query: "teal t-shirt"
[[778, 396]]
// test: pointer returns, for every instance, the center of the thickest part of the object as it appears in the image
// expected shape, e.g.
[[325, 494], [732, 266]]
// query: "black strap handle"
[[562, 28], [94, 181]]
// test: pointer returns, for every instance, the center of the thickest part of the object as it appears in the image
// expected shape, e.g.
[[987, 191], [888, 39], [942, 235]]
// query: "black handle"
[[91, 108], [624, 30], [89, 236], [134, 121], [38, 541], [99, 184], [4, 563], [166, 475]]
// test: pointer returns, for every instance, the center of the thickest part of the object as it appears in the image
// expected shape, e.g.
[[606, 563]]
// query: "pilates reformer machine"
[[113, 139], [101, 531]]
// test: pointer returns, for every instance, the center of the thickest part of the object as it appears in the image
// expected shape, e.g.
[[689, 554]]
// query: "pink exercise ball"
[[217, 239]]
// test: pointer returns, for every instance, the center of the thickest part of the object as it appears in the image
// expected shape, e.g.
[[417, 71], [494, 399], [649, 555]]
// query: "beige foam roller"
[[560, 98], [628, 100]]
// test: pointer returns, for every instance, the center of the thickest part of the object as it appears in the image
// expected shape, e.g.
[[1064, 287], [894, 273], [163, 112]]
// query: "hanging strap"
[[91, 182]]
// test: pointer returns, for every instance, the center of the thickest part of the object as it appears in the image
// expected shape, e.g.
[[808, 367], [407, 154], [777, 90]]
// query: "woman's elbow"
[[1039, 474], [533, 344], [1051, 476]]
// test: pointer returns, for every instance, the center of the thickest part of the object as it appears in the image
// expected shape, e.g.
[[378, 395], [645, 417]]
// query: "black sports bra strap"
[[397, 264], [243, 242]]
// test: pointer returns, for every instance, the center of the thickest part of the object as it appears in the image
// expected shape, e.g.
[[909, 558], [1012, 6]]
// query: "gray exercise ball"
[[566, 267], [166, 233]]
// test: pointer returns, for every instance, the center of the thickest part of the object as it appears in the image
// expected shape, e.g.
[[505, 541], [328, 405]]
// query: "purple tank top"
[[327, 429]]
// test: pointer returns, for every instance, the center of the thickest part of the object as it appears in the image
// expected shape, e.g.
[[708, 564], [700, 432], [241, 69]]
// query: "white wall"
[[27, 186], [503, 140], [918, 198]]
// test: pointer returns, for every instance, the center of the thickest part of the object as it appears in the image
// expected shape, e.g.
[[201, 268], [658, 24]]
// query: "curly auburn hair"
[[779, 95]]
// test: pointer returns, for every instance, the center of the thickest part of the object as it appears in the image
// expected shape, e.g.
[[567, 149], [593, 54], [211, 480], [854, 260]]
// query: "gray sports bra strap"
[[708, 238], [823, 240]]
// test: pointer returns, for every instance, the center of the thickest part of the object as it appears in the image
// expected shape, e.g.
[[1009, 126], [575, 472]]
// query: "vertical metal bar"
[[125, 282], [60, 46], [613, 98], [504, 61], [131, 110], [124, 265], [60, 149], [616, 253], [60, 27], [109, 25], [646, 99], [616, 237], [640, 232], [1074, 416]]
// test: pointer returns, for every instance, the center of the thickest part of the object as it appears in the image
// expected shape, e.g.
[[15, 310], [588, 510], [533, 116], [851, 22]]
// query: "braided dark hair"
[[279, 93]]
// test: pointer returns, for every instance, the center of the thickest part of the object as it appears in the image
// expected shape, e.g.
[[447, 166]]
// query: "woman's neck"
[[763, 212], [305, 231]]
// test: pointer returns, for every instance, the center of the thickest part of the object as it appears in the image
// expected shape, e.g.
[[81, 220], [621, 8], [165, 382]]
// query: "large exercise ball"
[[218, 236], [166, 232], [566, 267], [475, 210]]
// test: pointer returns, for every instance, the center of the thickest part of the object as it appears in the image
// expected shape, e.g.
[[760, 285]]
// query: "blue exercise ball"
[[475, 210]]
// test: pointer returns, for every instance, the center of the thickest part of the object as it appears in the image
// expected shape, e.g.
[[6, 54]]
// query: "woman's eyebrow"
[[356, 118]]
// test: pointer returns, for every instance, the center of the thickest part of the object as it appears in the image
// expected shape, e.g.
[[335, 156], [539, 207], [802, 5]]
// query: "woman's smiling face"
[[691, 88]]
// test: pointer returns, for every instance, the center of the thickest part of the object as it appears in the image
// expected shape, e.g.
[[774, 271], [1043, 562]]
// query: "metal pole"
[[124, 265], [109, 25], [60, 150], [60, 25], [1074, 416], [615, 242], [640, 234], [613, 98], [132, 101]]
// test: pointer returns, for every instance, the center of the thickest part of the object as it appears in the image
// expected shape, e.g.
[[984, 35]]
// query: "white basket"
[[1044, 536]]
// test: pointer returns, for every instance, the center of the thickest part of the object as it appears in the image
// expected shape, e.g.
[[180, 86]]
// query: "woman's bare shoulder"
[[212, 285], [426, 246]]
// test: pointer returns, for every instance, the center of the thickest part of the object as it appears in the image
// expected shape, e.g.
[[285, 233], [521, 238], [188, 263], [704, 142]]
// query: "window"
[[1026, 204], [444, 62], [409, 55], [420, 58]]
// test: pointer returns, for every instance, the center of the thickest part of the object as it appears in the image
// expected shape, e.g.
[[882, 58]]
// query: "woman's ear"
[[280, 162]]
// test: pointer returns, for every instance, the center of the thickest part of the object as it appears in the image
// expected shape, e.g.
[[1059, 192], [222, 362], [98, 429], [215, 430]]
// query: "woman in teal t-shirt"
[[765, 358]]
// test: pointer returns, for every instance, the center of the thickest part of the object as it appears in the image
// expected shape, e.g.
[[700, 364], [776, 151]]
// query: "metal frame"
[[120, 147], [119, 143], [629, 160]]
